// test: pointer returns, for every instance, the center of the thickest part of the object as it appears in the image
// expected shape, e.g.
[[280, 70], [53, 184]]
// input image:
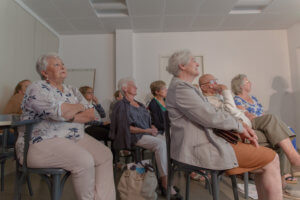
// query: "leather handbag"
[[139, 182], [229, 136]]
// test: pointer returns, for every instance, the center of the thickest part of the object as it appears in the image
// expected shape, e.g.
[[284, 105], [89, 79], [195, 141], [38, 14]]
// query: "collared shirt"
[[43, 101]]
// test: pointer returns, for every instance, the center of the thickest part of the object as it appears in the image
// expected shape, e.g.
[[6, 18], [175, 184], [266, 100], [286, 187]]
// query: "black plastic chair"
[[5, 153], [54, 177], [173, 165]]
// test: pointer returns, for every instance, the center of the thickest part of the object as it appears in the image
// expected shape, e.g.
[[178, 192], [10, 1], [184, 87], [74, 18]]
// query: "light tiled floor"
[[197, 190]]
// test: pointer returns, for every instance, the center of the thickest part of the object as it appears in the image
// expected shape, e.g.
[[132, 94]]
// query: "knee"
[[271, 117], [161, 146], [84, 162], [275, 165]]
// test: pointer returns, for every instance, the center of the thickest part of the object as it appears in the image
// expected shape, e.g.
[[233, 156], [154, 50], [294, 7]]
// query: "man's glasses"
[[213, 81]]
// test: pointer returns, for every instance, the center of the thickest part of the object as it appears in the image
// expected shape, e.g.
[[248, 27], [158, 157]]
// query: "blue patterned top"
[[43, 101], [255, 108]]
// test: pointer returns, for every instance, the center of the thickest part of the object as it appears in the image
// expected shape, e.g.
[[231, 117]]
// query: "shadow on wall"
[[282, 102], [5, 93]]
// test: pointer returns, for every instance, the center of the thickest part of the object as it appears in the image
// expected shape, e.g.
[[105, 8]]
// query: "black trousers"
[[99, 132]]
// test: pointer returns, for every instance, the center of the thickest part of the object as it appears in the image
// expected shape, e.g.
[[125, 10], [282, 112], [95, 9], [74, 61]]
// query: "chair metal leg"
[[215, 185], [2, 175], [234, 187], [55, 193], [170, 178], [246, 187], [29, 185], [18, 185], [187, 187]]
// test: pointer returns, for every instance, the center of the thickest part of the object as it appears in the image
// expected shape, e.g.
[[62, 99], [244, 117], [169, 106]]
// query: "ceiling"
[[78, 16]]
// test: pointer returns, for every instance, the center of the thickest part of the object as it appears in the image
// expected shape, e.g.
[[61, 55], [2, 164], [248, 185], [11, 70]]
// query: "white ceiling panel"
[[283, 7], [78, 16], [75, 9], [275, 20], [177, 23], [60, 24], [237, 20], [208, 21], [86, 24], [216, 7], [145, 7], [112, 24], [151, 22], [180, 7]]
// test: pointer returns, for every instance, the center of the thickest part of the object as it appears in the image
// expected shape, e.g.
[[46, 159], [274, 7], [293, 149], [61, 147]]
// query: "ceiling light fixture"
[[250, 6]]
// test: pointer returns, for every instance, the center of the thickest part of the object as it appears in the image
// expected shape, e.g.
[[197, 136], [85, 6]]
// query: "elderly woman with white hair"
[[58, 141], [194, 142], [131, 125]]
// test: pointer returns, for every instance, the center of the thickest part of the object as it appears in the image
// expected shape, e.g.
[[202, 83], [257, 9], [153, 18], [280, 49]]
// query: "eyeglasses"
[[213, 81]]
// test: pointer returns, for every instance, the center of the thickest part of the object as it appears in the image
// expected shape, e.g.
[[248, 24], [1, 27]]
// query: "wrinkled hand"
[[94, 99], [153, 131], [249, 134], [219, 88]]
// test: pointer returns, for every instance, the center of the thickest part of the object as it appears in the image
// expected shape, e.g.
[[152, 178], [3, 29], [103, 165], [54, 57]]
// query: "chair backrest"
[[168, 135], [27, 136]]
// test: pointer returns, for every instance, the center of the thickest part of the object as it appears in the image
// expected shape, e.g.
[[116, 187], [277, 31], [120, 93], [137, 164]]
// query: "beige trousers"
[[88, 160], [270, 131], [158, 146]]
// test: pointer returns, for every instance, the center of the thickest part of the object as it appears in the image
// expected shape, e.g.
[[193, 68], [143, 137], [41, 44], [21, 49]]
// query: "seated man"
[[273, 133], [194, 142]]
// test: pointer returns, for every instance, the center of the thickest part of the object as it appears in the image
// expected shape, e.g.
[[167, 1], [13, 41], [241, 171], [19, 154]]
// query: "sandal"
[[291, 180]]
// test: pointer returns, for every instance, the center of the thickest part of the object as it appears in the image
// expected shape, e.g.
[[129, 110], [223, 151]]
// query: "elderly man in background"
[[271, 133]]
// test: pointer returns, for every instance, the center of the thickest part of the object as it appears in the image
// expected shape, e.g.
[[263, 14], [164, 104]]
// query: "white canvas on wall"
[[81, 77]]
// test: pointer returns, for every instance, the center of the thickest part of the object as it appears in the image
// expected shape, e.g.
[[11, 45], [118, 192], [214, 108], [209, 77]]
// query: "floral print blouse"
[[43, 101], [255, 108]]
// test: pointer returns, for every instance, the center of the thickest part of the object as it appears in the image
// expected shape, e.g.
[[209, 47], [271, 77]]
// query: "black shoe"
[[176, 196]]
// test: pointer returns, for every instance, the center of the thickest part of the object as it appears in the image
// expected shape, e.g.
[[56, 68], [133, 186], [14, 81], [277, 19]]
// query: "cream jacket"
[[192, 119]]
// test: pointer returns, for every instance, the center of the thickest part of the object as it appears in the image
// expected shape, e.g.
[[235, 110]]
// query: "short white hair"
[[42, 63], [123, 82], [181, 57], [237, 82]]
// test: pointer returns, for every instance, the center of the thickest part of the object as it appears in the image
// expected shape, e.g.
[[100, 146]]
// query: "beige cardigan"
[[192, 139]]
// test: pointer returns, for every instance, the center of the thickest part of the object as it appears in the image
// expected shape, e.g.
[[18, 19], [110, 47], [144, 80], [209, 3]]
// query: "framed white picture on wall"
[[81, 77], [165, 76]]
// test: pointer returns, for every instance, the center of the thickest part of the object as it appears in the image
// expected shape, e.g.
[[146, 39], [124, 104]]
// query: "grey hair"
[[42, 63], [181, 57], [123, 83], [237, 82]]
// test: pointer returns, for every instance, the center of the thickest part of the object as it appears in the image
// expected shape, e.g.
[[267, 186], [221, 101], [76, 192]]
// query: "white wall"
[[261, 55], [294, 53], [22, 40], [92, 51]]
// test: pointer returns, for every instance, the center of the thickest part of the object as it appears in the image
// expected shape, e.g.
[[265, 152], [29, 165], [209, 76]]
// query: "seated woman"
[[58, 141], [241, 87], [97, 128], [13, 105], [131, 125], [194, 142], [157, 106]]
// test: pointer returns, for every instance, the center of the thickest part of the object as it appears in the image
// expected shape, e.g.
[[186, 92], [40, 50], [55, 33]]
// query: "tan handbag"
[[135, 185]]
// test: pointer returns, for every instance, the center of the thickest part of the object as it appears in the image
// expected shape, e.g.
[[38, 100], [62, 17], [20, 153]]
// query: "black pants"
[[99, 132]]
